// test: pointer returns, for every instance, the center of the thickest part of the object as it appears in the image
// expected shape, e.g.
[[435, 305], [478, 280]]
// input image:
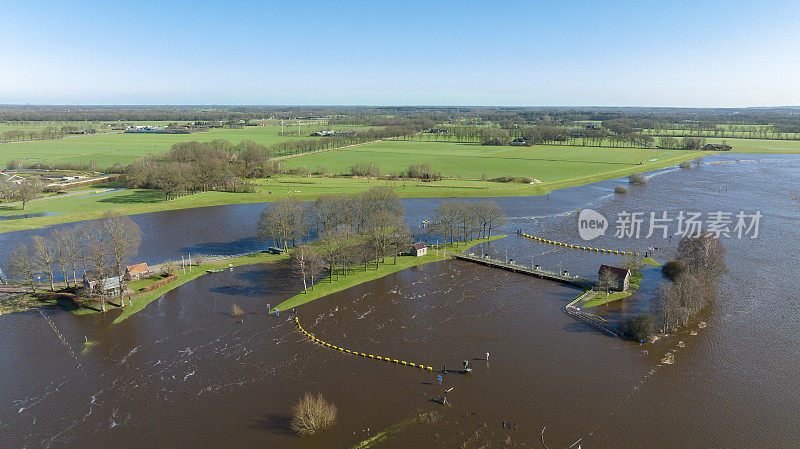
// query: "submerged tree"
[[312, 414]]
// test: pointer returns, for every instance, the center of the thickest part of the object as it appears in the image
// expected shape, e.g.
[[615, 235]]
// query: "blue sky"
[[611, 53]]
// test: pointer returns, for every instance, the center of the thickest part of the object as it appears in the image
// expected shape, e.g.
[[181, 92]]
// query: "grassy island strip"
[[322, 288], [326, 286], [143, 299], [635, 281]]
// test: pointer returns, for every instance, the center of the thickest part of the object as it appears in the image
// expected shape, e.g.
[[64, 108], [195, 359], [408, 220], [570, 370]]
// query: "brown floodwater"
[[184, 373]]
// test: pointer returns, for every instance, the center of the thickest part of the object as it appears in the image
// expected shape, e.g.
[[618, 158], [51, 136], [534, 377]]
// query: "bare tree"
[[124, 238], [607, 280], [73, 246], [468, 222], [284, 221], [21, 264], [59, 239], [445, 220], [495, 217], [28, 190], [44, 258], [301, 263], [97, 254]]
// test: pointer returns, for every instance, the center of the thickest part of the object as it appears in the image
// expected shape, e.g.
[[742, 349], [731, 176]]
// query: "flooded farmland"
[[184, 373]]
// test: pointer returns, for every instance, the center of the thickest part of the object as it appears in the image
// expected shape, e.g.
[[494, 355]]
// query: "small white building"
[[420, 249]]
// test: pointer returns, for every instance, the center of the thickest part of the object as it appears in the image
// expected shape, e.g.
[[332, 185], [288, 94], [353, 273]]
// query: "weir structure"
[[577, 281], [532, 270]]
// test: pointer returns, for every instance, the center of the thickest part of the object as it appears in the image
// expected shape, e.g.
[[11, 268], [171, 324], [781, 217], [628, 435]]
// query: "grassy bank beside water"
[[328, 286]]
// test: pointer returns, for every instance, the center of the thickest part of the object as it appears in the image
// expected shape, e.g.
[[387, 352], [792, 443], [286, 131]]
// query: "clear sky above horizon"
[[613, 53]]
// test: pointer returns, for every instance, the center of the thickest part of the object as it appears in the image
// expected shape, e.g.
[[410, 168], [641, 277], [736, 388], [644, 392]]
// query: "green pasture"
[[546, 163], [108, 149], [760, 145]]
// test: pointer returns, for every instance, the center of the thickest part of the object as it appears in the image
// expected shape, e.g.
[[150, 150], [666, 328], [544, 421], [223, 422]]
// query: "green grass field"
[[562, 168], [760, 146], [546, 163], [108, 149]]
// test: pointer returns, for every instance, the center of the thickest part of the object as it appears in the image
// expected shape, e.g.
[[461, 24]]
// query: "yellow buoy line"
[[585, 248], [360, 354]]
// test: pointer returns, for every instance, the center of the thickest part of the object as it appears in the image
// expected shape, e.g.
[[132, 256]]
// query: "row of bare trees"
[[465, 219], [354, 230], [98, 248]]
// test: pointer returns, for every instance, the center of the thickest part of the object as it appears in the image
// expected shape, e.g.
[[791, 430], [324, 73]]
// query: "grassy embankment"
[[556, 166], [326, 286], [635, 282], [22, 302], [141, 300]]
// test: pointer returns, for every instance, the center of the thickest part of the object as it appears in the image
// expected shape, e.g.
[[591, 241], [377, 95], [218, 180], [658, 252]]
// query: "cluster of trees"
[[49, 132], [423, 171], [685, 143], [464, 219], [362, 229], [365, 169], [352, 230], [190, 167], [24, 191], [695, 275], [100, 247]]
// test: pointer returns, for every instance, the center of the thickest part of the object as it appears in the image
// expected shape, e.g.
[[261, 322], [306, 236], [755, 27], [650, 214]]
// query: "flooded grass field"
[[184, 373]]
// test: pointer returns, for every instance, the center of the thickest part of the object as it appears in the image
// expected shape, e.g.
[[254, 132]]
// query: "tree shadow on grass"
[[274, 423], [136, 196]]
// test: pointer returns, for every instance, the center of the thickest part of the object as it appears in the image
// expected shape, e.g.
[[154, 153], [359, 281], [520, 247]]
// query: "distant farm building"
[[518, 142], [136, 272], [621, 276], [717, 147], [419, 249]]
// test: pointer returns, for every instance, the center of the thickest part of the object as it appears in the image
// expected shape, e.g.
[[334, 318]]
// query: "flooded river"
[[184, 373]]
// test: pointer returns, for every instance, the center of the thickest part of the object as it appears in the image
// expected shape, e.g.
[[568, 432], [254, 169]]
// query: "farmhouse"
[[717, 147], [419, 249], [621, 275], [136, 272], [105, 282]]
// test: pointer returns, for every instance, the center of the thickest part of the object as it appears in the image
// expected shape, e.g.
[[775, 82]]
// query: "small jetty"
[[532, 270]]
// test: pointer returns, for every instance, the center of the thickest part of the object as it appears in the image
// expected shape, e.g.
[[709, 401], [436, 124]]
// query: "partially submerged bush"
[[236, 310], [640, 327], [637, 179], [685, 164], [312, 414], [621, 190]]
